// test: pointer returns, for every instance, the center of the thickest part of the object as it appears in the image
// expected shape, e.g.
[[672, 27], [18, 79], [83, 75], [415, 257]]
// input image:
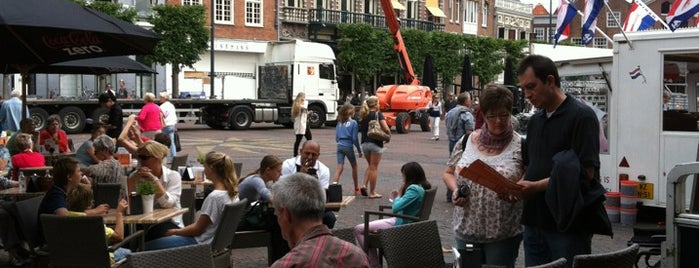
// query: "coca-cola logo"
[[72, 39]]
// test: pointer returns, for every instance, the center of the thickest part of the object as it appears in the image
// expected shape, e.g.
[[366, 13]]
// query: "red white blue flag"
[[639, 18], [680, 12], [592, 9], [636, 73], [566, 13]]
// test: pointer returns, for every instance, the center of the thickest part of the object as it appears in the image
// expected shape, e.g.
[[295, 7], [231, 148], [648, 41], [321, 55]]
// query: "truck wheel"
[[100, 116], [316, 116], [403, 123], [73, 119], [424, 121], [38, 115], [240, 117]]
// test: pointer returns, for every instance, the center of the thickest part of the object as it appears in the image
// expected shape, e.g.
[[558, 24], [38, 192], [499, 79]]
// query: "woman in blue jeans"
[[218, 167]]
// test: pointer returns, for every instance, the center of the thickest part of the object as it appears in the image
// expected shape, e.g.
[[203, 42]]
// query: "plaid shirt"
[[318, 248]]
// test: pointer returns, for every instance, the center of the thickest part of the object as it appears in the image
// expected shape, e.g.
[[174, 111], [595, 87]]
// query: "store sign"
[[240, 46]]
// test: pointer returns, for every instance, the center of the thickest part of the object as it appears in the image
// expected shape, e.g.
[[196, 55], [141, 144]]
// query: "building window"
[[600, 42], [523, 35], [253, 12], [501, 33], [576, 41], [665, 8], [412, 10], [471, 12], [347, 5], [191, 2], [484, 20], [294, 3], [610, 19], [540, 33], [458, 11], [224, 11]]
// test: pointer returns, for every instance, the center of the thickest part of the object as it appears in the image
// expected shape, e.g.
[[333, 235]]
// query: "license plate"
[[645, 190]]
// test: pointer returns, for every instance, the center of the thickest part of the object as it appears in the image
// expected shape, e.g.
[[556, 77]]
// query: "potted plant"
[[146, 189]]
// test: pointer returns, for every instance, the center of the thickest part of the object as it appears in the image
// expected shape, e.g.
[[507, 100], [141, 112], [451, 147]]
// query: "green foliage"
[[145, 188], [446, 50], [112, 9], [418, 44], [362, 50], [486, 57], [184, 34]]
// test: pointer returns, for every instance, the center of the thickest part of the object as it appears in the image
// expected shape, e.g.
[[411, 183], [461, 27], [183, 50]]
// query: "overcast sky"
[[543, 2]]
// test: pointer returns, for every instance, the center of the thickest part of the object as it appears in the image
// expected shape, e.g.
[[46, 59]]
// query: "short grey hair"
[[103, 142], [302, 195], [165, 95], [53, 118], [24, 141], [16, 93]]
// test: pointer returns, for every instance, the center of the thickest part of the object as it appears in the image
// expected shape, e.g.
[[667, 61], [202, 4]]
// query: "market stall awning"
[[433, 7], [397, 5]]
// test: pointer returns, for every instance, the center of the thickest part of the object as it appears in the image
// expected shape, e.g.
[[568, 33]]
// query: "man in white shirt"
[[307, 162]]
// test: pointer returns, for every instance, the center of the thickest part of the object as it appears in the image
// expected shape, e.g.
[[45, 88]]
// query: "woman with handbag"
[[254, 187], [372, 145], [299, 111]]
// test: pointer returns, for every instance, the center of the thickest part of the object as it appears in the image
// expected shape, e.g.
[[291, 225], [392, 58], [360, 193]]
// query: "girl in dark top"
[[372, 148]]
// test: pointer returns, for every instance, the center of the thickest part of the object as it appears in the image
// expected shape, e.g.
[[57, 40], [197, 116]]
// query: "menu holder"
[[480, 173]]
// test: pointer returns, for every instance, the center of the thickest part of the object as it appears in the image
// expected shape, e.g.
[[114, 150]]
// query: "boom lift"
[[403, 104]]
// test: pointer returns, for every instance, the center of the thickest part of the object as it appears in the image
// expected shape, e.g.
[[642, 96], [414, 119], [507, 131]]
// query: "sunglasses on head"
[[144, 157]]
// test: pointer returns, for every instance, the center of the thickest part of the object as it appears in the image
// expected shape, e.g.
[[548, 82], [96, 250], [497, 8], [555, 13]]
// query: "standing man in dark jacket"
[[562, 123], [116, 120]]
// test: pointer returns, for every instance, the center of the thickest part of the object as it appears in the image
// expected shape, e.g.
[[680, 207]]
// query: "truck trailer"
[[260, 88]]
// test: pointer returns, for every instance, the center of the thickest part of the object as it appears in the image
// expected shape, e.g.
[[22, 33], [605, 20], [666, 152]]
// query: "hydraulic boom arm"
[[398, 45]]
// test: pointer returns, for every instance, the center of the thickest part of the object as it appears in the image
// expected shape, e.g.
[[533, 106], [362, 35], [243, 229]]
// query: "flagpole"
[[596, 28], [618, 24]]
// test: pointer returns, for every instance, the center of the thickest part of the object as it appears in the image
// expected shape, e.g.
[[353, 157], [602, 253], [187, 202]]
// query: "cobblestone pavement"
[[251, 145]]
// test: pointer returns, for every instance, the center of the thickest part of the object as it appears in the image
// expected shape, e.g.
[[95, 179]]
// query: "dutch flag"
[[680, 12], [639, 19], [592, 9], [636, 72], [566, 13]]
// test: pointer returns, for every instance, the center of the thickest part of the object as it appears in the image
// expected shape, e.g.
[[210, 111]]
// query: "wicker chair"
[[413, 245], [223, 237], [625, 258], [27, 219], [90, 250], [188, 256], [560, 263], [371, 240], [346, 234]]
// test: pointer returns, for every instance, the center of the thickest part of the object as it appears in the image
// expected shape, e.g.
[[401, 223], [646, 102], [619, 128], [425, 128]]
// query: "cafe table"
[[335, 206], [159, 215], [15, 194]]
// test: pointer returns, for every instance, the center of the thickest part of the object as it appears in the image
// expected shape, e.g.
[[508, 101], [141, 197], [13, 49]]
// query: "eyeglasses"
[[503, 116], [144, 157]]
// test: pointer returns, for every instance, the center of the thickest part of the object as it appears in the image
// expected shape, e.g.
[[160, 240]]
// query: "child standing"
[[346, 136]]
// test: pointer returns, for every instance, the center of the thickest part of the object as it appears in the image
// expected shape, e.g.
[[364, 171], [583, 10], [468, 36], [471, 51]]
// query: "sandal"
[[375, 196], [363, 191]]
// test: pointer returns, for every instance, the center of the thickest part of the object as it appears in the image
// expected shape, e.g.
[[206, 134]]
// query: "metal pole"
[[616, 20], [550, 28], [212, 74]]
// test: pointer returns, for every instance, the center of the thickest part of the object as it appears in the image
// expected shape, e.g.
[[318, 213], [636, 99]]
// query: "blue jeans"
[[172, 241], [170, 131], [121, 253], [502, 253], [348, 152], [544, 246]]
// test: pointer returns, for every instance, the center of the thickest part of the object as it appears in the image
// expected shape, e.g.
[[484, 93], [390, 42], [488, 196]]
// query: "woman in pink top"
[[149, 117]]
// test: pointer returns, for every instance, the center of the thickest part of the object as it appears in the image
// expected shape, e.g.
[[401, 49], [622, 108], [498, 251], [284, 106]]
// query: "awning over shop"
[[397, 5], [433, 7]]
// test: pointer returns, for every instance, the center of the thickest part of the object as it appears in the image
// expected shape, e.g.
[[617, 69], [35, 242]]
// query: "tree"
[[446, 50], [184, 34], [113, 9], [486, 56], [362, 50]]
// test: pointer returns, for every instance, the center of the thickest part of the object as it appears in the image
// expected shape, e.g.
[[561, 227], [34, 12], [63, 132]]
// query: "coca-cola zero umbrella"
[[96, 66], [41, 32]]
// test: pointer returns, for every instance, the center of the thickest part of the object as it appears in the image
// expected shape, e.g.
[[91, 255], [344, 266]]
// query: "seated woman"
[[408, 202], [108, 170], [218, 167], [66, 176], [27, 157], [80, 198], [25, 126], [53, 136], [168, 184], [86, 152]]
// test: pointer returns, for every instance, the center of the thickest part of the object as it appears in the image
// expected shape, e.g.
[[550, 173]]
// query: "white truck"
[[255, 87]]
